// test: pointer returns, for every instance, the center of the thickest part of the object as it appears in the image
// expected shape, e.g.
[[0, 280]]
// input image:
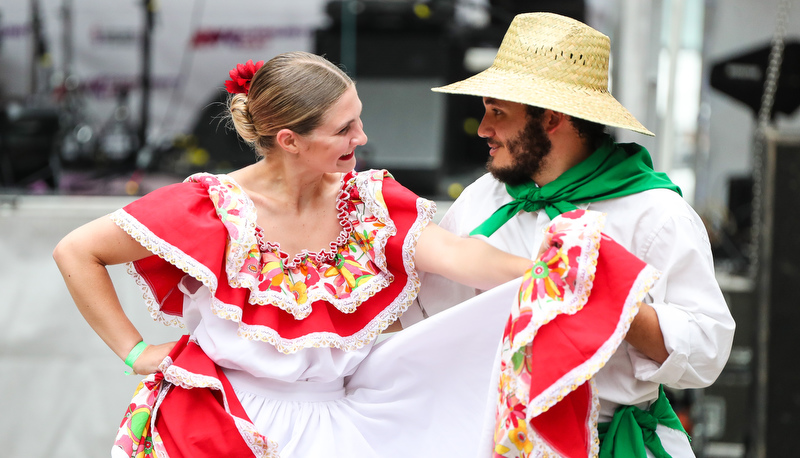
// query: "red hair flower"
[[241, 76]]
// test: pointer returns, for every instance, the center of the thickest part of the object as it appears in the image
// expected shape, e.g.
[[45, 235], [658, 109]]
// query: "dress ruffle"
[[341, 297], [155, 425], [575, 306]]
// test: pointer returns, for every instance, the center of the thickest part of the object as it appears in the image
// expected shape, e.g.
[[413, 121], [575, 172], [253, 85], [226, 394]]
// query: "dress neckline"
[[346, 185]]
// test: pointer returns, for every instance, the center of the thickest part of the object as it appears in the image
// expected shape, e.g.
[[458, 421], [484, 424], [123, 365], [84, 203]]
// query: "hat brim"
[[574, 100]]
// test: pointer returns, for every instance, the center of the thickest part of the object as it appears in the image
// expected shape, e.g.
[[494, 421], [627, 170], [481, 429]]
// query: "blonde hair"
[[291, 91]]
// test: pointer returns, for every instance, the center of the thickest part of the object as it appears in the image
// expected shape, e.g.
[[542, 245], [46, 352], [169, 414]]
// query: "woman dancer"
[[284, 273]]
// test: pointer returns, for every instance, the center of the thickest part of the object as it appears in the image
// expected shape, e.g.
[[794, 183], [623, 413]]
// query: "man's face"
[[518, 143]]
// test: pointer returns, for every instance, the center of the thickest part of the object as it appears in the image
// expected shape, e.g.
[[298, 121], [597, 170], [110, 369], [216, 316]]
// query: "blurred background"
[[101, 102]]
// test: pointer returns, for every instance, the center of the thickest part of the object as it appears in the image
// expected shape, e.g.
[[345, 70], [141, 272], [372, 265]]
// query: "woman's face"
[[332, 145]]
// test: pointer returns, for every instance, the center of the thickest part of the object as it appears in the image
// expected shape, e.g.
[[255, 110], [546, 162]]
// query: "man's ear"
[[552, 120], [287, 140]]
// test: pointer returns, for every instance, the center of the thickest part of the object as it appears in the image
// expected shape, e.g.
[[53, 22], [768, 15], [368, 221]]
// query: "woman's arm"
[[470, 261], [82, 257]]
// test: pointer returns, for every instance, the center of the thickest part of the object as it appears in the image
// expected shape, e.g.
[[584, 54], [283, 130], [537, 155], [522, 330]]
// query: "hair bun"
[[240, 116]]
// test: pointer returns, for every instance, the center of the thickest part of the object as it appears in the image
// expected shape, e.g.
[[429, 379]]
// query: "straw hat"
[[553, 62]]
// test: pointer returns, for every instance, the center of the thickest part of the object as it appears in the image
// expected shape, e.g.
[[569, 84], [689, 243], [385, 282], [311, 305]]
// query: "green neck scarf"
[[632, 429], [614, 170]]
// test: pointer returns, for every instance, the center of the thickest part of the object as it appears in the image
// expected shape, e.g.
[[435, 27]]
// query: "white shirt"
[[660, 228]]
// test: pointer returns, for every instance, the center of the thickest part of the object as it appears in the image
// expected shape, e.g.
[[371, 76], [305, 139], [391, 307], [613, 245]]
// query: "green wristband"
[[134, 355]]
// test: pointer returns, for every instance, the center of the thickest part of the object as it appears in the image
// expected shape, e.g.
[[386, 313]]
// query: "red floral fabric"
[[574, 308], [342, 297]]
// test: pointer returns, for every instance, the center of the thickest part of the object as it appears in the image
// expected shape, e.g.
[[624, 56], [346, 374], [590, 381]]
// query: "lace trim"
[[260, 445], [425, 212], [362, 293], [165, 251], [158, 443], [150, 301], [241, 227], [165, 364], [589, 243], [541, 448], [328, 254], [366, 184], [304, 256], [594, 416], [580, 374], [179, 376], [237, 213]]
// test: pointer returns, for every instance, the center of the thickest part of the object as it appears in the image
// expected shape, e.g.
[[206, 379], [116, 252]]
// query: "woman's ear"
[[287, 140]]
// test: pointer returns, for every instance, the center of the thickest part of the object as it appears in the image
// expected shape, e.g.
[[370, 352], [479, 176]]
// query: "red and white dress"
[[281, 356]]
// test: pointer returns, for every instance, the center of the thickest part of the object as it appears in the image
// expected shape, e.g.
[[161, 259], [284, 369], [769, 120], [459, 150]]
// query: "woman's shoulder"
[[170, 197]]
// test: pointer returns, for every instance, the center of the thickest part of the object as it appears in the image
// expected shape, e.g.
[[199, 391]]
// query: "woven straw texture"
[[553, 62]]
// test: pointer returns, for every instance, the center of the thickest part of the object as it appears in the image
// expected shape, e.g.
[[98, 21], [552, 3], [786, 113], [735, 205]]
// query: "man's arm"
[[688, 310], [646, 336]]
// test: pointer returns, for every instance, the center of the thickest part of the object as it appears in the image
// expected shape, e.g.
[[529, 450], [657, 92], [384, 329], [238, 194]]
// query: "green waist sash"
[[632, 429]]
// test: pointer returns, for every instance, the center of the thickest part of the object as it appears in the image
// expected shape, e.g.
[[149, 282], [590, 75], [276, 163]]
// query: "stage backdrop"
[[194, 44]]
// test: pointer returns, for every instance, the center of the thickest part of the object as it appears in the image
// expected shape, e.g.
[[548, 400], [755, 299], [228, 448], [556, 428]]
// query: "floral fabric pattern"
[[558, 281], [345, 274], [138, 436], [253, 282], [559, 286], [134, 438]]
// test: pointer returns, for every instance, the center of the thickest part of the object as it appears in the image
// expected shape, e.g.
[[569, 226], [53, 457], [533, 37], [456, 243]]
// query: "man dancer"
[[547, 106]]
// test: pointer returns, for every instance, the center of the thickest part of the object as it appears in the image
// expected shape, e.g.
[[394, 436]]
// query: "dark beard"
[[527, 150]]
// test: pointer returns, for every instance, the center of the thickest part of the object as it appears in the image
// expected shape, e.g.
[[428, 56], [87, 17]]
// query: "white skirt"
[[422, 392]]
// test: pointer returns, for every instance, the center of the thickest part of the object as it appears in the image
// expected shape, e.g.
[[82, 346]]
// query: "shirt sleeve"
[[693, 315]]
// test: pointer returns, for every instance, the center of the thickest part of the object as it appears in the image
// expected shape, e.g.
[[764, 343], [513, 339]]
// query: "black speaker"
[[395, 70], [27, 146], [211, 132], [465, 151], [777, 395], [505, 10], [383, 16]]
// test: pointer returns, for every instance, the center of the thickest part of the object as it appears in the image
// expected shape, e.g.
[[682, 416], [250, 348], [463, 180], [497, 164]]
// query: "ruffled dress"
[[281, 358], [574, 307]]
